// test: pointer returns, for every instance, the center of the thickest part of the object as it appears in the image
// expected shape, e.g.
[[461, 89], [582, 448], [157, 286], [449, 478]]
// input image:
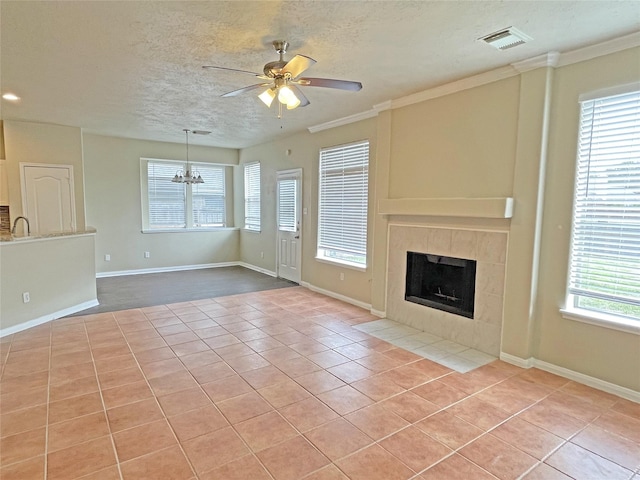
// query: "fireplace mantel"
[[498, 207]]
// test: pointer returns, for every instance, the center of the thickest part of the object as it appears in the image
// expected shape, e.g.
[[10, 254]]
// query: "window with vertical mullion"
[[173, 206]]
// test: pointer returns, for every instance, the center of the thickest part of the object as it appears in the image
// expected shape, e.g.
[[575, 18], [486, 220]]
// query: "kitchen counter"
[[45, 277], [7, 238]]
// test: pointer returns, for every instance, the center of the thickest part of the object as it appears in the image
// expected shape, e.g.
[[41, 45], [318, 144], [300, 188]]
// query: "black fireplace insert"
[[445, 283]]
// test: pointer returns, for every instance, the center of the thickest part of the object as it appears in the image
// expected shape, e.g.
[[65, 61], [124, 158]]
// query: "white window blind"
[[208, 197], [166, 199], [177, 205], [342, 216], [287, 219], [252, 196], [605, 254]]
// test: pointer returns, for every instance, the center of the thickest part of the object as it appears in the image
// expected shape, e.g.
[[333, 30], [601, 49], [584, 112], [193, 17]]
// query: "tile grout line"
[[287, 321], [46, 431], [104, 406], [155, 397], [251, 452]]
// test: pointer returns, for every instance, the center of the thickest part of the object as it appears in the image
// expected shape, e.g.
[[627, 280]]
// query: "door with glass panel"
[[289, 238]]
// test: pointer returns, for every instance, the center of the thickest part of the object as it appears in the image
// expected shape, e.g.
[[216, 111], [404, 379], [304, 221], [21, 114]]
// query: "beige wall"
[[305, 149], [114, 207], [459, 145], [27, 142], [599, 352], [58, 273]]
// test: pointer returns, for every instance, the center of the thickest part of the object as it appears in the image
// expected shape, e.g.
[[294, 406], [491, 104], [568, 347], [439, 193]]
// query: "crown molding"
[[343, 121], [546, 60], [550, 59], [381, 107], [604, 48], [457, 86]]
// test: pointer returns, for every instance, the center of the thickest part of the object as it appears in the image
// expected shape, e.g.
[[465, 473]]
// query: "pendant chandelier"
[[187, 176]]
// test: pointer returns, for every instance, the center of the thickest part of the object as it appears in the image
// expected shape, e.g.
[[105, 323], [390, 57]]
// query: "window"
[[287, 195], [166, 199], [177, 205], [604, 274], [342, 216], [252, 196]]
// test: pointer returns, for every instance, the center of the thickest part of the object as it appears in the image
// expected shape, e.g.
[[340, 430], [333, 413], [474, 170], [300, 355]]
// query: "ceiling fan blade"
[[240, 91], [304, 101], [213, 67], [329, 83], [297, 65]]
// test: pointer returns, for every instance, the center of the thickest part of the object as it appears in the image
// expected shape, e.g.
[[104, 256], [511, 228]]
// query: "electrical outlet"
[[261, 254], [107, 258], [147, 254], [341, 276], [26, 298]]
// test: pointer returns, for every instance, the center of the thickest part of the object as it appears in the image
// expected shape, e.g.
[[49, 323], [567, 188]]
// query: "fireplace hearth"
[[441, 282]]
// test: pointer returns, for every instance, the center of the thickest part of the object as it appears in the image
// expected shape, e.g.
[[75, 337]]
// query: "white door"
[[48, 200], [289, 239]]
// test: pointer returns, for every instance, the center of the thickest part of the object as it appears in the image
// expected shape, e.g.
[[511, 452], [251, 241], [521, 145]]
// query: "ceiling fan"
[[282, 80]]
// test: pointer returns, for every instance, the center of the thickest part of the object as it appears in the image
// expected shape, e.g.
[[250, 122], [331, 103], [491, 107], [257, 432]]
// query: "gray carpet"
[[135, 291]]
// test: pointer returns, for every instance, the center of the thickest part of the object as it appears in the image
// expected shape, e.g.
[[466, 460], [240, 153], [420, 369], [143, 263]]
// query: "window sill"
[[602, 320], [338, 263], [190, 230], [251, 230]]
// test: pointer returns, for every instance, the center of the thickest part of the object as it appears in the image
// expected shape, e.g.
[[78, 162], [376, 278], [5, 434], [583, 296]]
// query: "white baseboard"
[[378, 313], [597, 383], [47, 318], [257, 269], [337, 296], [517, 361], [588, 380], [166, 269]]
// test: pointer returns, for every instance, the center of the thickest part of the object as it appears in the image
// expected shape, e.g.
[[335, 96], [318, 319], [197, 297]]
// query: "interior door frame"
[[285, 173], [72, 188]]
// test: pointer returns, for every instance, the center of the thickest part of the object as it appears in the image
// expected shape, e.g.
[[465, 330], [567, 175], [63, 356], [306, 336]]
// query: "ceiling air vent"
[[507, 38]]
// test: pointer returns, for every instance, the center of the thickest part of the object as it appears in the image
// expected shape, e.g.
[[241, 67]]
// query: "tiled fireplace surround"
[[488, 248]]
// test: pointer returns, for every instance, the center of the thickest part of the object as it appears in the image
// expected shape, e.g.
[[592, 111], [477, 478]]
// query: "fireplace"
[[444, 283]]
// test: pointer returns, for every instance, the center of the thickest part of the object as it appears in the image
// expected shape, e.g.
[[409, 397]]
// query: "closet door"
[[48, 200]]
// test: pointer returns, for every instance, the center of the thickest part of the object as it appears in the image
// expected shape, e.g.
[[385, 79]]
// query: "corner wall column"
[[380, 222], [521, 292]]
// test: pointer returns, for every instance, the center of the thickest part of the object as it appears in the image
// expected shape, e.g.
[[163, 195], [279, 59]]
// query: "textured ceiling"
[[133, 69]]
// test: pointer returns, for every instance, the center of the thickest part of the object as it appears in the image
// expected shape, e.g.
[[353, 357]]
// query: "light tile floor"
[[280, 385], [458, 357]]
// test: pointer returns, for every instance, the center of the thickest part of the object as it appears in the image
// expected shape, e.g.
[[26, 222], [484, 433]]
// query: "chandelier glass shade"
[[187, 175]]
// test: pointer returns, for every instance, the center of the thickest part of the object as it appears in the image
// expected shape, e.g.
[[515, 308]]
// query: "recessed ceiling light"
[[12, 97]]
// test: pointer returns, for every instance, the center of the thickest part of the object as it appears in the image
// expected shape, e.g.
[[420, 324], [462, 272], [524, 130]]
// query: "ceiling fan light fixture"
[[296, 104], [267, 96], [287, 97]]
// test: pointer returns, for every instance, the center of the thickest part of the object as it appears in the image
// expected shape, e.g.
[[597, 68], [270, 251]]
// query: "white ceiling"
[[133, 68]]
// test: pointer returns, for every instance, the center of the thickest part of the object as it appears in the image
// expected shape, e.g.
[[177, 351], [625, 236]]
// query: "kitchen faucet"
[[13, 230]]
